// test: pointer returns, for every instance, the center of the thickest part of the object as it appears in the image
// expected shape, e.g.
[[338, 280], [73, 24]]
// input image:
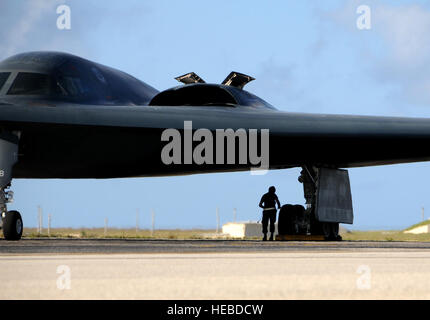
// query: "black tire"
[[285, 220], [12, 225]]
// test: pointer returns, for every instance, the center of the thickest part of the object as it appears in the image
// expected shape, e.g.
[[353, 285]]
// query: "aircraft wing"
[[295, 138]]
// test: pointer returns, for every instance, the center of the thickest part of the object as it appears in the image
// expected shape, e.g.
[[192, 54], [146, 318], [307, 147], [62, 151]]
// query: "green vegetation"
[[394, 235], [179, 234], [98, 233]]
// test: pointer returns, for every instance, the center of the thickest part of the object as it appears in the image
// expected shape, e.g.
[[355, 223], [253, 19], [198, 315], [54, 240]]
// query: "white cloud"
[[401, 54], [97, 28], [406, 31], [31, 12]]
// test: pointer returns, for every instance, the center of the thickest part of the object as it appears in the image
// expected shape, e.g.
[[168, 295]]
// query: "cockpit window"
[[73, 86], [101, 85], [27, 83], [81, 84], [65, 78], [98, 75], [3, 78]]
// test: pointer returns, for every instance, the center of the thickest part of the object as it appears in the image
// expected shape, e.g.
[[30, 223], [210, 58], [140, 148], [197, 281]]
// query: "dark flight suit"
[[269, 201]]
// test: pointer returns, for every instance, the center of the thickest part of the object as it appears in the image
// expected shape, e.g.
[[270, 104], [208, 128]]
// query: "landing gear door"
[[333, 199], [8, 157]]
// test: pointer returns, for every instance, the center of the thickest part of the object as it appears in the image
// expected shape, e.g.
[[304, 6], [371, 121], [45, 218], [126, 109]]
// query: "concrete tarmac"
[[282, 275], [149, 269]]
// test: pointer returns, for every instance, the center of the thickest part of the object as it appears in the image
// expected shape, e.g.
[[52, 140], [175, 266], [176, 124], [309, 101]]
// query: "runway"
[[213, 269], [368, 274], [124, 246]]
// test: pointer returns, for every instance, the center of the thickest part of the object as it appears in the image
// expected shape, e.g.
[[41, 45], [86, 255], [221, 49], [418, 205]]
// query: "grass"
[[393, 235], [98, 233], [181, 234]]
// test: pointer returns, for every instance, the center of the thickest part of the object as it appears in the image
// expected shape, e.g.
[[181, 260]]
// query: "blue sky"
[[306, 56]]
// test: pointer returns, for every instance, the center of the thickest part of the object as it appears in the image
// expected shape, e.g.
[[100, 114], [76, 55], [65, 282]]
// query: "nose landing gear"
[[11, 221], [12, 225]]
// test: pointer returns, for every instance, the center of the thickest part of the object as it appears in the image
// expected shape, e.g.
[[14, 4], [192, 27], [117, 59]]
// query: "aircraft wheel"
[[12, 225]]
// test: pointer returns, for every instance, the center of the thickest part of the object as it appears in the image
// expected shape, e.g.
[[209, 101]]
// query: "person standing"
[[268, 204]]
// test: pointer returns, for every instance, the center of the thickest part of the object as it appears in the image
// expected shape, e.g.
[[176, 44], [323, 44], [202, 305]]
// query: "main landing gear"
[[328, 203]]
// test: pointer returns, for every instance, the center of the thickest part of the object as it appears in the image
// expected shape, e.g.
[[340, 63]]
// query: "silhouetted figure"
[[268, 203]]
